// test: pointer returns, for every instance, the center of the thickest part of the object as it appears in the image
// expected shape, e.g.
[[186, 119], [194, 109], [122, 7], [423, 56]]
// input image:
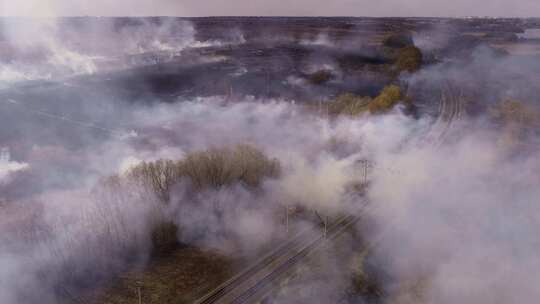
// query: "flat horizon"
[[272, 16]]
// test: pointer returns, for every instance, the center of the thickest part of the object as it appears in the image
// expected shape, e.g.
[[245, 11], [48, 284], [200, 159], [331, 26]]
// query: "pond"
[[530, 34]]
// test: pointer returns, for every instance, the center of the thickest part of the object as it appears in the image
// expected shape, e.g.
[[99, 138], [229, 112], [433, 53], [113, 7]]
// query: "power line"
[[115, 132]]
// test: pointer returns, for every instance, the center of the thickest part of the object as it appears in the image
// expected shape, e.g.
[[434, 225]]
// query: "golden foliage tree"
[[213, 168], [408, 59], [386, 100], [353, 105]]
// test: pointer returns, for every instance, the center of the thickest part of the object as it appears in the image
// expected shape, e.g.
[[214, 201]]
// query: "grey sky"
[[271, 7]]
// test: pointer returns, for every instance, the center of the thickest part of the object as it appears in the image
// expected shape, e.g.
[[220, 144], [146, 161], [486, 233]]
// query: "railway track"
[[260, 278], [451, 109]]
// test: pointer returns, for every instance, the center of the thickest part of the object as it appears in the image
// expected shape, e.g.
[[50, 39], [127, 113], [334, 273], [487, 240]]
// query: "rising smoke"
[[460, 217]]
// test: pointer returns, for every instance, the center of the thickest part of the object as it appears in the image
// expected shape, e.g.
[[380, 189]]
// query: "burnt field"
[[269, 57], [114, 61], [301, 59]]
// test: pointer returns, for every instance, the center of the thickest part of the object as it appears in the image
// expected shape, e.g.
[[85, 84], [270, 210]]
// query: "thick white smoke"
[[461, 217], [8, 167], [442, 210], [52, 48], [78, 231]]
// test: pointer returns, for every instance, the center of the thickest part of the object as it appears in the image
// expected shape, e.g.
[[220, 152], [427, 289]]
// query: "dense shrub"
[[386, 100], [408, 59], [321, 77], [350, 104]]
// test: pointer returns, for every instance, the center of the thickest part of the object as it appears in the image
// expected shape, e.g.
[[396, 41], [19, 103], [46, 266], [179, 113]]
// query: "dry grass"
[[349, 104], [511, 111], [518, 121], [180, 277]]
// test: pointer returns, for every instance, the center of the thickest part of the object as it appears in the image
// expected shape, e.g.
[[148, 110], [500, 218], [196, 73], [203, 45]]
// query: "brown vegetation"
[[352, 105], [158, 176], [216, 168], [349, 104], [178, 278], [213, 168], [386, 100], [364, 282], [408, 59], [321, 77]]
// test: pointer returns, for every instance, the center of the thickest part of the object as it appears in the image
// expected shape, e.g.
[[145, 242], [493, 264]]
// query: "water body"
[[530, 34]]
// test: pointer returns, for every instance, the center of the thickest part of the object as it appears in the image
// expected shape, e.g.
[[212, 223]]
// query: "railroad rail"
[[262, 276], [451, 109]]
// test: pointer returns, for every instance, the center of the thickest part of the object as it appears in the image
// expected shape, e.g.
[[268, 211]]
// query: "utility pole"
[[327, 110], [365, 167], [287, 218], [366, 164], [267, 83], [325, 226]]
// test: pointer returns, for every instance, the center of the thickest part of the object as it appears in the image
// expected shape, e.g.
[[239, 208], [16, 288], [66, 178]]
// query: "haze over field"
[[124, 141]]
